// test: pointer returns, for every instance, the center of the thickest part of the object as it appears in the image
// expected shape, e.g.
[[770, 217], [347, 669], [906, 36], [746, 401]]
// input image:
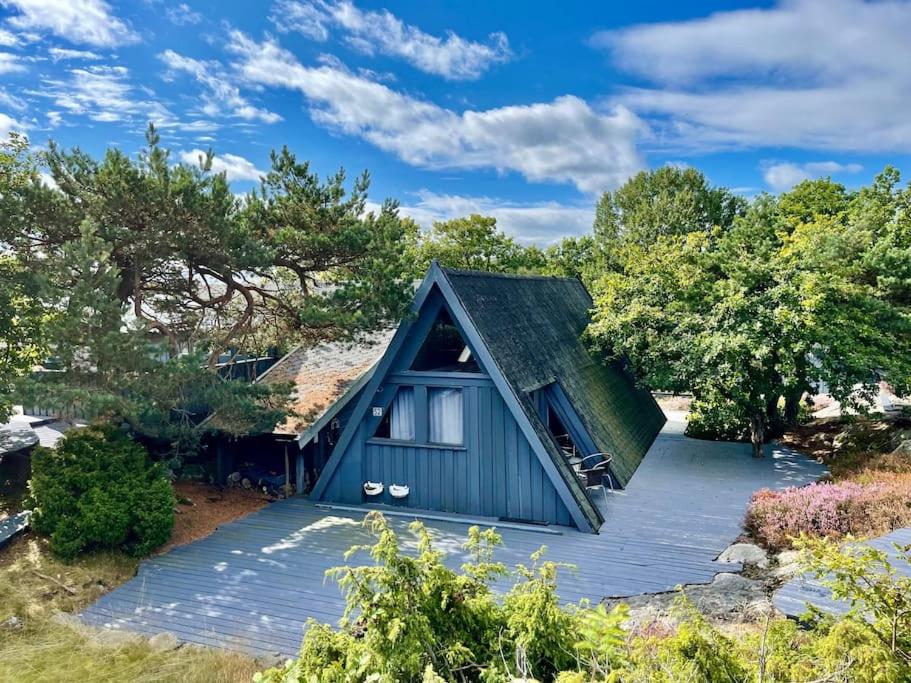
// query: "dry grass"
[[34, 585], [43, 651], [865, 445]]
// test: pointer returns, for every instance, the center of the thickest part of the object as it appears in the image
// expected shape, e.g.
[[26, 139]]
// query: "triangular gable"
[[407, 341]]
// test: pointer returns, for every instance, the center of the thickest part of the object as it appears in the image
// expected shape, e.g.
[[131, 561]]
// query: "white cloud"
[[783, 176], [10, 63], [60, 54], [541, 223], [79, 21], [222, 96], [234, 167], [372, 32], [104, 94], [565, 140], [11, 101], [803, 73], [8, 39], [182, 15], [10, 125]]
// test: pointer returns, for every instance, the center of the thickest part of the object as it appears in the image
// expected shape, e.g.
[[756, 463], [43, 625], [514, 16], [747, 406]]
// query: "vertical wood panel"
[[496, 475]]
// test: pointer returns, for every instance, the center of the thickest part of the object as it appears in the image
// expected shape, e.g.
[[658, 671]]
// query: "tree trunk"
[[792, 407], [774, 421], [757, 433]]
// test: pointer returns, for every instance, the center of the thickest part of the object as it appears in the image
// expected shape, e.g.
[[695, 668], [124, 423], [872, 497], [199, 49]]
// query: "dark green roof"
[[533, 328]]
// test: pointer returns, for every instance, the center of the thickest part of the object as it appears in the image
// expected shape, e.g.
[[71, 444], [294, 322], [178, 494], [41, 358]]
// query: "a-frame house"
[[480, 402]]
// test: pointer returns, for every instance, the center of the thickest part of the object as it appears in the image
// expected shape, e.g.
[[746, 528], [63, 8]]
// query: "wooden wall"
[[495, 473]]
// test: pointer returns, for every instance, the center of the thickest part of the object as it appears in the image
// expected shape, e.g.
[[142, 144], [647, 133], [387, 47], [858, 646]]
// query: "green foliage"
[[863, 576], [21, 315], [664, 202], [150, 270], [98, 490], [789, 294], [695, 651], [410, 618], [474, 243]]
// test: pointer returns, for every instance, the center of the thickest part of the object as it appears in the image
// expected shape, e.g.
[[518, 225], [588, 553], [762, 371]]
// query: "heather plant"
[[829, 510]]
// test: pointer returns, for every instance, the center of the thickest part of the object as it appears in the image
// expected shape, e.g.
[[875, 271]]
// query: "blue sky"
[[523, 110]]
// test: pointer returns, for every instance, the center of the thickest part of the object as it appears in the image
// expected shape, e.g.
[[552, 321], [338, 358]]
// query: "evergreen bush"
[[98, 490]]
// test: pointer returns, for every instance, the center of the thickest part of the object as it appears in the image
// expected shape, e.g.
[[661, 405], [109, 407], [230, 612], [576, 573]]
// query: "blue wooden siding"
[[494, 474]]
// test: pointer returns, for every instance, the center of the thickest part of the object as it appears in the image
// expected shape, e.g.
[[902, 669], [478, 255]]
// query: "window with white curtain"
[[398, 422], [445, 412], [401, 415]]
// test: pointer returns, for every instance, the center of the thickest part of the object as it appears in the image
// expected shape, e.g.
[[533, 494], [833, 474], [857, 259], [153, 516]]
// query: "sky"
[[523, 110]]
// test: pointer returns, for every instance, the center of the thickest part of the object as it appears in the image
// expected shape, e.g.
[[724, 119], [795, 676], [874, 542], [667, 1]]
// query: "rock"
[[12, 623], [788, 563], [163, 642], [819, 440], [903, 449], [66, 619], [273, 660], [746, 554], [111, 638], [729, 597]]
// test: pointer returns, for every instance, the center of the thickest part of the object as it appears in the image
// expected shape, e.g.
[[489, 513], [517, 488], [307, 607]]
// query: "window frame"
[[461, 390]]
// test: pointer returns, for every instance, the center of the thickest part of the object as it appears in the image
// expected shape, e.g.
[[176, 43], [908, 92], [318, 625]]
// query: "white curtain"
[[445, 408], [401, 421]]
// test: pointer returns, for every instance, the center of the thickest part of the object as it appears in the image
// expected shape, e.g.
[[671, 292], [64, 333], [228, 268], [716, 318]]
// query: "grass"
[[34, 585], [42, 651]]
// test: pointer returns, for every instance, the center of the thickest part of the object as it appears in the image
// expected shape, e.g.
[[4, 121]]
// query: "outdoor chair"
[[594, 470]]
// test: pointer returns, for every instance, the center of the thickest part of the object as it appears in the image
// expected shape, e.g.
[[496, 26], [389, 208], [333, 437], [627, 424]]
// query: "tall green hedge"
[[99, 490]]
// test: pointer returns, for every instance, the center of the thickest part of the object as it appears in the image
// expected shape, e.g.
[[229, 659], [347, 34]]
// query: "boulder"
[[788, 564], [730, 597], [12, 623], [110, 638], [163, 642], [66, 619], [745, 554]]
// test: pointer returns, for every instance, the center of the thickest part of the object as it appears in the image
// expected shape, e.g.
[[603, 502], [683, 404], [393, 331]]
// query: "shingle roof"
[[532, 327], [322, 374]]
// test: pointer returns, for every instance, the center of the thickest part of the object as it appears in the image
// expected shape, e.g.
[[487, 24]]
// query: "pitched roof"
[[533, 329], [322, 375]]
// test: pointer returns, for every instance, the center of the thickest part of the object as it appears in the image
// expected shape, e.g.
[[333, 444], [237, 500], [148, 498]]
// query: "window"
[[444, 349], [398, 422], [445, 412]]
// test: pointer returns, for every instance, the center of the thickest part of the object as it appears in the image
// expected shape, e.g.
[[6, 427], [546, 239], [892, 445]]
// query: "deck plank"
[[252, 584]]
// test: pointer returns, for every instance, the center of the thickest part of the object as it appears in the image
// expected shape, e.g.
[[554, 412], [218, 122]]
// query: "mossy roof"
[[533, 328]]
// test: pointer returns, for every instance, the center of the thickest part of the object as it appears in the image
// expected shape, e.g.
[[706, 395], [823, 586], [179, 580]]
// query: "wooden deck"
[[251, 585], [792, 598]]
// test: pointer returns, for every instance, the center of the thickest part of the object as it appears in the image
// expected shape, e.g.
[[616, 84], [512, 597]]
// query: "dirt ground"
[[202, 508], [668, 402]]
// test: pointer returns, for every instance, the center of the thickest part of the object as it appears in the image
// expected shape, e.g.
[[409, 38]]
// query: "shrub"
[[829, 510], [98, 490], [410, 618], [716, 421]]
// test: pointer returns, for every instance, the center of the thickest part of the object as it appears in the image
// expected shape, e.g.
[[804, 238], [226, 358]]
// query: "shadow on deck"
[[252, 584]]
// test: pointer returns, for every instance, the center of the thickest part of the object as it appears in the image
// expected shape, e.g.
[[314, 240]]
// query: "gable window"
[[444, 349], [398, 422], [445, 413]]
